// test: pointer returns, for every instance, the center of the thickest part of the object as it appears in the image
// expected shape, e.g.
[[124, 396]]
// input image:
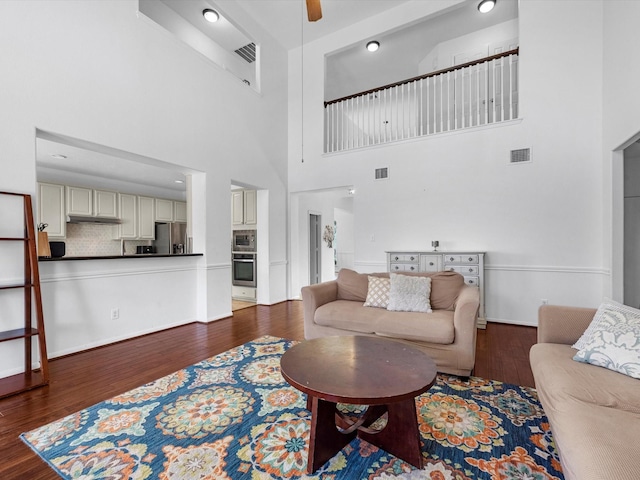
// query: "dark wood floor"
[[81, 380]]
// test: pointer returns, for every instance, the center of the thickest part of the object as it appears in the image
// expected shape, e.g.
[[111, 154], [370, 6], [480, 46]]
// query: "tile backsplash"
[[89, 240]]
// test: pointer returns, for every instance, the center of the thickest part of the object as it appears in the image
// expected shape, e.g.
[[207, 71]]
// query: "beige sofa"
[[594, 413], [448, 334]]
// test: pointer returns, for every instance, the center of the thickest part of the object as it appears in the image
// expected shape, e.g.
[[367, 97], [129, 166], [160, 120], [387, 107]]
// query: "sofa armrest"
[[565, 325], [314, 296], [465, 323]]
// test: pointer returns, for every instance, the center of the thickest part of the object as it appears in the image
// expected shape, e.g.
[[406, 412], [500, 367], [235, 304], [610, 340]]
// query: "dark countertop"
[[110, 257]]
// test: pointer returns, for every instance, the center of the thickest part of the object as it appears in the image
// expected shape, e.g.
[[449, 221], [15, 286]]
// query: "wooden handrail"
[[427, 75]]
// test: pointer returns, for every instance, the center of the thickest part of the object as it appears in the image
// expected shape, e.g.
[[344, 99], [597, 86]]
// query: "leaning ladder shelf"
[[30, 378]]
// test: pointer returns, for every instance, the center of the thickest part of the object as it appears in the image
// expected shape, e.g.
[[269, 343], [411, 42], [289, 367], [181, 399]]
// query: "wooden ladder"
[[30, 378]]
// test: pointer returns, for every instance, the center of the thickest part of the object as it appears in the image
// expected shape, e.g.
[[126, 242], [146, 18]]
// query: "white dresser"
[[469, 264]]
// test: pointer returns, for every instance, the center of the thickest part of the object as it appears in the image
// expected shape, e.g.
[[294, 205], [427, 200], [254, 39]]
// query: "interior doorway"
[[632, 225], [315, 267]]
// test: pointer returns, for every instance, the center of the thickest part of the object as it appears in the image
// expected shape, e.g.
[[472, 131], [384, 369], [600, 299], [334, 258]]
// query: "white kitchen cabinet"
[[105, 204], [128, 228], [79, 201], [146, 218], [51, 200], [179, 212], [469, 264], [164, 210], [244, 207]]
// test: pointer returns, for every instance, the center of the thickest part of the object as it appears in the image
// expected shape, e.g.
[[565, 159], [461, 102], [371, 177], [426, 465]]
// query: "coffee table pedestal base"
[[400, 436]]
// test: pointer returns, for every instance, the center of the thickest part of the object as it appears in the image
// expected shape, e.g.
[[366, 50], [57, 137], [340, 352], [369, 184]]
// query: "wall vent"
[[248, 52], [522, 155], [382, 173]]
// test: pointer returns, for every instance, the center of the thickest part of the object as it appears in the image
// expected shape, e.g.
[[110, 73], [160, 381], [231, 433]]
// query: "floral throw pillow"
[[610, 316], [614, 344], [378, 293]]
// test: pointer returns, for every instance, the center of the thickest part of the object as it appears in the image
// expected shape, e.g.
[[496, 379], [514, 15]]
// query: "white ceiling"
[[286, 20]]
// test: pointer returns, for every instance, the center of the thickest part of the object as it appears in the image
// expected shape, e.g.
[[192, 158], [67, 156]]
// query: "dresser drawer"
[[461, 259], [472, 281], [464, 269], [405, 257], [404, 267]]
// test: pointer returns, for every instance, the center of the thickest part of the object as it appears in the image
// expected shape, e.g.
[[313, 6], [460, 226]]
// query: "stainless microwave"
[[244, 241]]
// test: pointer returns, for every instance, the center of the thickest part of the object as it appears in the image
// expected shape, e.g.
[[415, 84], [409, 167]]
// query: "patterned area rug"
[[233, 416]]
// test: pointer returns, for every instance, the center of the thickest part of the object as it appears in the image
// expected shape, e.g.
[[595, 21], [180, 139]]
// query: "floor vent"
[[522, 155], [248, 52], [382, 173]]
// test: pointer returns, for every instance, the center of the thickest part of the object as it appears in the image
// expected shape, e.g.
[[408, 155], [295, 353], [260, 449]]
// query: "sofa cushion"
[[560, 377], [378, 293], [436, 327], [347, 315], [409, 293], [352, 285]]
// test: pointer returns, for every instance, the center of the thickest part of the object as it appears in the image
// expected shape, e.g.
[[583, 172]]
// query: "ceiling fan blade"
[[314, 10]]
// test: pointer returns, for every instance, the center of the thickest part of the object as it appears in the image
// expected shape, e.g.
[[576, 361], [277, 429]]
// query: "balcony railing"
[[481, 92]]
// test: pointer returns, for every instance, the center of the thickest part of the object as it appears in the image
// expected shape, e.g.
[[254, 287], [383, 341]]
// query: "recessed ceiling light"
[[178, 181], [486, 5], [210, 15], [59, 156], [372, 46]]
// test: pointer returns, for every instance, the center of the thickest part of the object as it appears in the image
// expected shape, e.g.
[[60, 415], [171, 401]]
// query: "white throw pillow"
[[617, 348], [409, 294], [378, 293], [610, 315]]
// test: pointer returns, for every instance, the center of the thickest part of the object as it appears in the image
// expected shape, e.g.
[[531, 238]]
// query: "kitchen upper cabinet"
[[146, 218], [105, 204], [128, 228], [51, 200], [79, 201], [244, 207], [164, 210], [180, 211]]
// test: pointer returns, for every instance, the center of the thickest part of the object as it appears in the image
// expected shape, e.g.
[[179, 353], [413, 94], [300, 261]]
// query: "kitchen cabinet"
[[164, 210], [244, 207], [179, 212], [105, 204], [79, 201], [51, 200], [128, 228], [146, 218]]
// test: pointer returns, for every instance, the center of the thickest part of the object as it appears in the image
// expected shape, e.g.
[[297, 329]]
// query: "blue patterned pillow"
[[610, 316], [614, 344]]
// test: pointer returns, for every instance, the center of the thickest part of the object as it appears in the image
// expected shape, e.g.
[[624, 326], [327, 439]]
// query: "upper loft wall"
[[540, 223]]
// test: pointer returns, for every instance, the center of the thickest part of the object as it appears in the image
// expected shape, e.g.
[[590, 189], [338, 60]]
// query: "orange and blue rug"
[[233, 416]]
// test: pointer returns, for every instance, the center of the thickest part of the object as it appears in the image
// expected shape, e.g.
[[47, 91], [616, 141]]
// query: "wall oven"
[[244, 269], [244, 241]]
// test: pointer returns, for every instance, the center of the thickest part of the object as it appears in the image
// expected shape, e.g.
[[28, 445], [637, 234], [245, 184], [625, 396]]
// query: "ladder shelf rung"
[[21, 285], [18, 333], [14, 239]]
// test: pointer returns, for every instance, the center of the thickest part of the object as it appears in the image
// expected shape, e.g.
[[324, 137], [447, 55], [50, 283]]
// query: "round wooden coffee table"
[[384, 374]]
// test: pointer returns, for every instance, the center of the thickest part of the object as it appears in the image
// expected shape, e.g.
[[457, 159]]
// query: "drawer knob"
[[413, 268], [451, 259], [471, 259], [413, 258], [431, 264], [470, 270], [397, 258]]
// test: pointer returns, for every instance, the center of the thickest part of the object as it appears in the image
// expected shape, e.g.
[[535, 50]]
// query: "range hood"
[[94, 220]]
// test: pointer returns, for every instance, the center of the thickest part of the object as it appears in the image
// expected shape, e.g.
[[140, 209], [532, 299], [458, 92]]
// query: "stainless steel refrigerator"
[[171, 238]]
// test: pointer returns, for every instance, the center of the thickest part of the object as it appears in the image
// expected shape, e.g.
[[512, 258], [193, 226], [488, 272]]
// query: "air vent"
[[382, 173], [522, 155], [248, 52]]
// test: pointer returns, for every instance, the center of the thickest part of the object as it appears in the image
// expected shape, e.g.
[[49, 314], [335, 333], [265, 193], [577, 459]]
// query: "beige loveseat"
[[448, 334], [594, 413]]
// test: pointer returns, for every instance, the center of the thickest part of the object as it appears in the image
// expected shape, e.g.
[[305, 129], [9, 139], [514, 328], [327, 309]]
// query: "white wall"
[[540, 223], [100, 72]]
